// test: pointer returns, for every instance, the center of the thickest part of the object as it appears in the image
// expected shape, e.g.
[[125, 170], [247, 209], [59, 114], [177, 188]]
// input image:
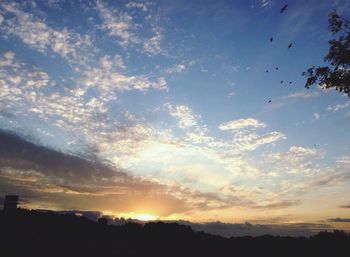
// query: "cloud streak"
[[69, 45], [41, 174]]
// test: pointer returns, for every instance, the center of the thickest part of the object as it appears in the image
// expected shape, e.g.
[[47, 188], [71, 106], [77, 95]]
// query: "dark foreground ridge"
[[31, 233]]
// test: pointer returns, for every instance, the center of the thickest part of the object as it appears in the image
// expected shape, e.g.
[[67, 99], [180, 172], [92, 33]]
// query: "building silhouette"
[[102, 221], [10, 203]]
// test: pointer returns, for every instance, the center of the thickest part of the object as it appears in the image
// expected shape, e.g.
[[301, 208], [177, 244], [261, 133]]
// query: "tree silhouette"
[[41, 234], [337, 74]]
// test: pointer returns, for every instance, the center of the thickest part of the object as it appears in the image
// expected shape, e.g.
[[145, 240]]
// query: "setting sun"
[[144, 217]]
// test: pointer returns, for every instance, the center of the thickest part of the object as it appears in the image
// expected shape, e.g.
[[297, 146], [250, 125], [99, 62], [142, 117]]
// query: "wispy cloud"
[[285, 100], [296, 160], [71, 46], [117, 24], [339, 220], [152, 46], [241, 124], [295, 153], [178, 68], [343, 160], [184, 115], [30, 92], [278, 204], [338, 107], [244, 135], [108, 79], [121, 25], [266, 3], [138, 5], [300, 95], [48, 174], [345, 206]]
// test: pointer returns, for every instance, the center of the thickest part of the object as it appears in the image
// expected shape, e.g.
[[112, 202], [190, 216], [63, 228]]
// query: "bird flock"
[[283, 9]]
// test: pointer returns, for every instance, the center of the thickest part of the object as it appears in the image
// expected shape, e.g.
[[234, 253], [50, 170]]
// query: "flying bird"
[[281, 81], [290, 82], [271, 39], [276, 68], [283, 8], [270, 101], [267, 70], [290, 45]]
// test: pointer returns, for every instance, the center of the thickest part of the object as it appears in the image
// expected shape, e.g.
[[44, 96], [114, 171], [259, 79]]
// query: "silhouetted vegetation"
[[337, 74], [31, 233]]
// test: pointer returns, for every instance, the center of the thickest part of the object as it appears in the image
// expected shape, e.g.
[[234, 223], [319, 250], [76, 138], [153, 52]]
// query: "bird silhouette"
[[281, 81], [283, 8], [276, 68], [271, 39], [267, 70], [290, 45], [290, 82], [270, 101]]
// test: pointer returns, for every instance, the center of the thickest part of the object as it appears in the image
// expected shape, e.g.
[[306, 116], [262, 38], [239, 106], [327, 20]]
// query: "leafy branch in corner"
[[337, 74]]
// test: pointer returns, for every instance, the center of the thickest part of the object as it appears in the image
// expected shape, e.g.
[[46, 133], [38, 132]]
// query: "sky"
[[174, 110]]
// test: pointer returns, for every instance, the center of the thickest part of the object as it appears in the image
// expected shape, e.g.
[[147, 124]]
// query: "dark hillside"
[[31, 233]]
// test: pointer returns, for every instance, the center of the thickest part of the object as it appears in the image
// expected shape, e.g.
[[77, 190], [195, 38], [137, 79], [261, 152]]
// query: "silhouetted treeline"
[[31, 233]]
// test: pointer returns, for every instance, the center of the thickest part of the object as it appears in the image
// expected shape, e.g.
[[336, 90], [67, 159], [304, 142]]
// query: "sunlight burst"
[[145, 217]]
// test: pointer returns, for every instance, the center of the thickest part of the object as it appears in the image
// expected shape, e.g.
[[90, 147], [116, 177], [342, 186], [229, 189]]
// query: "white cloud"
[[117, 24], [184, 114], [301, 95], [83, 118], [266, 139], [317, 116], [108, 80], [295, 153], [249, 141], [242, 124], [338, 107], [152, 46], [178, 68], [138, 5], [17, 81], [229, 95], [121, 25], [245, 137], [108, 63], [296, 160], [70, 45], [287, 100], [7, 60], [266, 3], [343, 160]]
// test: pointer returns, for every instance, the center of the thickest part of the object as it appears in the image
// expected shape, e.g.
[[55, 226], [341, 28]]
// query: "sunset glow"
[[188, 110], [144, 217]]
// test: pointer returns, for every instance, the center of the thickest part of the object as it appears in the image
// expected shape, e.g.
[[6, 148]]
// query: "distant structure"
[[10, 203], [102, 221]]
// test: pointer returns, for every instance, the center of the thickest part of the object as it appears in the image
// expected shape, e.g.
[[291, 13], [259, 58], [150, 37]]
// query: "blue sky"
[[176, 93]]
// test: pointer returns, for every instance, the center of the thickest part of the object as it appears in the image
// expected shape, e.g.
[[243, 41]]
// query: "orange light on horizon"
[[144, 217]]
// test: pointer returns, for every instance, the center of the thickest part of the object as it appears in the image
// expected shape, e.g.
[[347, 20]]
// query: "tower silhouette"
[[10, 203]]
